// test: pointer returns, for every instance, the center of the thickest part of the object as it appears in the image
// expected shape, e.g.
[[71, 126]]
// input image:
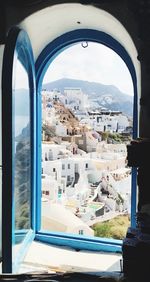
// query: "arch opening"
[[60, 44]]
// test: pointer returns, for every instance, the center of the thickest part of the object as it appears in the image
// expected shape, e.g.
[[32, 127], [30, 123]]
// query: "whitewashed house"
[[56, 217], [123, 123], [51, 151], [68, 170], [75, 98], [50, 188], [52, 168]]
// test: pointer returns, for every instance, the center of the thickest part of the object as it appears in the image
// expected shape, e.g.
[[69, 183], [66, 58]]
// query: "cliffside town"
[[84, 174]]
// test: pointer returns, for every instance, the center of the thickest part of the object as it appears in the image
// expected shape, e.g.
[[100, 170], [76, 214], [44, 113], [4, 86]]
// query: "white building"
[[52, 168], [50, 188], [107, 161], [75, 98], [103, 147], [68, 170], [53, 95], [123, 122], [55, 217], [49, 114], [60, 129], [51, 151], [112, 122]]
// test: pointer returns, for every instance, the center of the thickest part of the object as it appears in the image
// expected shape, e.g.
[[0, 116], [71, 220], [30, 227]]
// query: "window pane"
[[86, 126], [22, 154], [1, 54], [0, 211]]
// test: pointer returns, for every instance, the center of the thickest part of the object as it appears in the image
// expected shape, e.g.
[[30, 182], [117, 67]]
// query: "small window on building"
[[68, 166], [81, 232], [59, 190], [68, 178], [63, 166], [86, 165], [47, 193], [50, 155], [54, 169]]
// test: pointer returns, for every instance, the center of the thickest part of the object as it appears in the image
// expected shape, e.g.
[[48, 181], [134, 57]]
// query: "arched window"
[[43, 61], [60, 38]]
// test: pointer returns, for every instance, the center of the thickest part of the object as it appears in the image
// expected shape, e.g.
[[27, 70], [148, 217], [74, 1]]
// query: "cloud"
[[96, 63]]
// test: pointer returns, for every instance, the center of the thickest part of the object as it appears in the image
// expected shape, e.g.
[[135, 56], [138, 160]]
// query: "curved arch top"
[[51, 31], [58, 45], [49, 23], [55, 47]]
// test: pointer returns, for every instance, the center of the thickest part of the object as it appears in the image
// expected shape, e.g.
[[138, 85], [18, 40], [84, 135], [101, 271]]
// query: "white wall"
[[51, 185], [61, 130], [68, 171], [48, 168], [89, 17]]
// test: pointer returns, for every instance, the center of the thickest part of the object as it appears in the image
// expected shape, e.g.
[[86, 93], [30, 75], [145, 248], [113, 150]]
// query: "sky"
[[95, 63], [20, 78]]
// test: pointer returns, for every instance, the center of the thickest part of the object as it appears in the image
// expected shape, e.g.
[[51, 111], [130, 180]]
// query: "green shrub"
[[115, 228]]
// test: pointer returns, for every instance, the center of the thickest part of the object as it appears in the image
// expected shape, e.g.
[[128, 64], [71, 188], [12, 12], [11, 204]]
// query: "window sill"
[[51, 258]]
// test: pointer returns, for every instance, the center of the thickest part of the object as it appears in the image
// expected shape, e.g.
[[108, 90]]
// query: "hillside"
[[115, 228], [108, 96]]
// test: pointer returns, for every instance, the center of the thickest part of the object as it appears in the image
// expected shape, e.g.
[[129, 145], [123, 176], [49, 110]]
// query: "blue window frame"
[[18, 154], [18, 49], [45, 58]]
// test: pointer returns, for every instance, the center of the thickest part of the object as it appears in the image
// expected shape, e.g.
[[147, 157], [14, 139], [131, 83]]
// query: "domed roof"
[[49, 105]]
